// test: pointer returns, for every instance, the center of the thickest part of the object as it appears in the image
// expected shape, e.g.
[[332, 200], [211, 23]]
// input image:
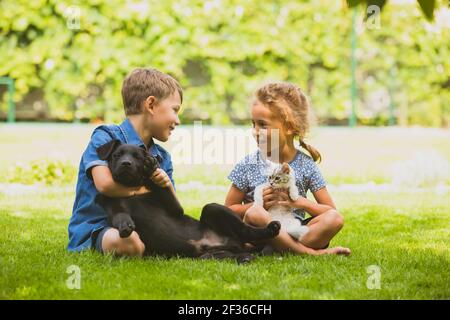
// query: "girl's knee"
[[334, 219], [257, 216]]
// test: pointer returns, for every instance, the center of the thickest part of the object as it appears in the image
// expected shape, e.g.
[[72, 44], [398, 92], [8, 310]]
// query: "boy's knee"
[[131, 246], [334, 220]]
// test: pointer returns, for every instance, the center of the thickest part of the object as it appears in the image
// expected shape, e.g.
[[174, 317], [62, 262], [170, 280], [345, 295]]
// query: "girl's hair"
[[290, 104]]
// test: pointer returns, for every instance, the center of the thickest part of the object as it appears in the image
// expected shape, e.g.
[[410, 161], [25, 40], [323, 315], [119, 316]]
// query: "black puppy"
[[159, 219]]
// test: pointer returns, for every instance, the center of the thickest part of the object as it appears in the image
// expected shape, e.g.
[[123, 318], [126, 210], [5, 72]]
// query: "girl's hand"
[[161, 178], [269, 198], [272, 197], [298, 204]]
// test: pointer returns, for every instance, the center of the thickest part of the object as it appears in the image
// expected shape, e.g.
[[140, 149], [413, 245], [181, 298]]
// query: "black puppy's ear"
[[150, 164], [105, 150]]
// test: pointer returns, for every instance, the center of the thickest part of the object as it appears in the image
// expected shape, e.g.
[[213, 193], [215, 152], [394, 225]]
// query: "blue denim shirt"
[[87, 217]]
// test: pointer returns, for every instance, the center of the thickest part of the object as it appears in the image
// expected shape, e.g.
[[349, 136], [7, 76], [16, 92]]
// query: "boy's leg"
[[109, 241]]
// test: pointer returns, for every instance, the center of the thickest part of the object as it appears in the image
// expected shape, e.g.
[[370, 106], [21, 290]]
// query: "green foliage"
[[221, 51], [49, 172], [427, 6]]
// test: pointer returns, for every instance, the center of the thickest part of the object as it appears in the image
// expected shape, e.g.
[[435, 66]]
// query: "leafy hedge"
[[221, 50], [44, 171]]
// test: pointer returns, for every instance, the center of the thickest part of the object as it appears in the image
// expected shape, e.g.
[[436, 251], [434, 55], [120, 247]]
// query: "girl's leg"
[[321, 235], [259, 217], [322, 229]]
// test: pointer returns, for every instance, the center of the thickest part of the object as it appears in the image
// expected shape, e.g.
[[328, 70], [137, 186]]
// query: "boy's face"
[[165, 117]]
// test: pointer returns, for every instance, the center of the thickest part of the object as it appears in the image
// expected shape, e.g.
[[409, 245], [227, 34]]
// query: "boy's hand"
[[140, 190], [161, 178]]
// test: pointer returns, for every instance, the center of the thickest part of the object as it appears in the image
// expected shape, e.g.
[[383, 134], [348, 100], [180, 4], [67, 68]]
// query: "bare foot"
[[339, 251]]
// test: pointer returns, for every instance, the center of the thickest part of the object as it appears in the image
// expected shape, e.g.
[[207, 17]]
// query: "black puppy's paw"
[[124, 224], [126, 228], [242, 258], [274, 228]]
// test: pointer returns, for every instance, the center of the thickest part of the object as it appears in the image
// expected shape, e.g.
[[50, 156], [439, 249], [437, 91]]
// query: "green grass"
[[406, 235]]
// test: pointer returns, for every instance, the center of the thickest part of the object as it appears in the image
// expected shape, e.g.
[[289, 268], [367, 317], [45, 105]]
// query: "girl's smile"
[[270, 135]]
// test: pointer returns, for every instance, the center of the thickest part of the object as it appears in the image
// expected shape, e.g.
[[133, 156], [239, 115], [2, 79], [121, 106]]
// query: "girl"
[[280, 110]]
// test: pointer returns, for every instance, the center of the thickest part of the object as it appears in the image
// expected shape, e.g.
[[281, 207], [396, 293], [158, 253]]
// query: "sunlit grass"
[[405, 235]]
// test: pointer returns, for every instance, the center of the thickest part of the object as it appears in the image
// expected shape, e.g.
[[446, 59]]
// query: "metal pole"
[[392, 88], [11, 104], [11, 117], [352, 119]]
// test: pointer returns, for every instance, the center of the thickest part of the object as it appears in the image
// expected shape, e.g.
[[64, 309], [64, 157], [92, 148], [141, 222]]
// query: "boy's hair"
[[291, 105], [144, 82]]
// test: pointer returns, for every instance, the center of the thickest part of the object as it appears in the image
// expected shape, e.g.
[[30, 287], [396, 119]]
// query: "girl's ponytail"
[[312, 151], [292, 107]]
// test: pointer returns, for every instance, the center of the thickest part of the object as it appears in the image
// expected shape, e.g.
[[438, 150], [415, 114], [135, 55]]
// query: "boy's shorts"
[[97, 239]]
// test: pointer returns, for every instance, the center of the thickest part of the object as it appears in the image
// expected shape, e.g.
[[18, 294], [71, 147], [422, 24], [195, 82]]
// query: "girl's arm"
[[235, 197], [234, 200], [324, 203]]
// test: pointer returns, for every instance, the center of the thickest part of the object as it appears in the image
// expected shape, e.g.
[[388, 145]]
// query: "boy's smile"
[[165, 117]]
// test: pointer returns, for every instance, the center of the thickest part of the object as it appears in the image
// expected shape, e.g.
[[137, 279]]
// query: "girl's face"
[[266, 128]]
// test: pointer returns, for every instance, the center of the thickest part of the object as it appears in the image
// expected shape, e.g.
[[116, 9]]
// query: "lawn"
[[403, 233]]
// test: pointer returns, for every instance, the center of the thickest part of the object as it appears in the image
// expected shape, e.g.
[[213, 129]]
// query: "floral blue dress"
[[251, 171]]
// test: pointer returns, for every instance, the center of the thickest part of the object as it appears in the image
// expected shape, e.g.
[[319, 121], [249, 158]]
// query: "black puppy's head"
[[130, 165]]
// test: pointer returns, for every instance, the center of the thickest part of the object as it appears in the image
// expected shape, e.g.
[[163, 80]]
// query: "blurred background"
[[68, 58], [377, 74]]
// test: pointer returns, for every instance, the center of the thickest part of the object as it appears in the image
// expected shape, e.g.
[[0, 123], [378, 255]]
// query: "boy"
[[152, 101]]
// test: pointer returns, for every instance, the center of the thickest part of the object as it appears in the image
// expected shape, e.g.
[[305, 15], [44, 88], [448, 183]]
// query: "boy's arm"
[[106, 185], [97, 169]]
